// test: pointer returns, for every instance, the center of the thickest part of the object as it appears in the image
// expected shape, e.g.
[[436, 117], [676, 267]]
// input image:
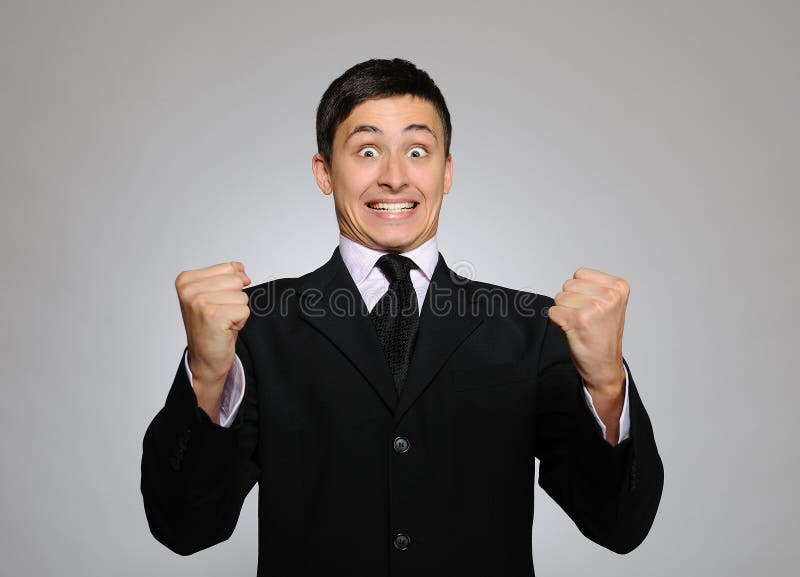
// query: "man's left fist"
[[591, 312]]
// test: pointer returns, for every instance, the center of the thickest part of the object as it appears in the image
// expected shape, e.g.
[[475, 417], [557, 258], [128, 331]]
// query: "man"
[[389, 409]]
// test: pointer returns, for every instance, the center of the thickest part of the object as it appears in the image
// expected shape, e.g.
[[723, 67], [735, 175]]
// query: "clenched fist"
[[591, 312], [214, 309]]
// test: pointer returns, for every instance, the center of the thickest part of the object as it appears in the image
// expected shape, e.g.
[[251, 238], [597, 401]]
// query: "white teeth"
[[392, 207]]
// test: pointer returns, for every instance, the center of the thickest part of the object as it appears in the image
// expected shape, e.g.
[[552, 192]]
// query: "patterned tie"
[[396, 315]]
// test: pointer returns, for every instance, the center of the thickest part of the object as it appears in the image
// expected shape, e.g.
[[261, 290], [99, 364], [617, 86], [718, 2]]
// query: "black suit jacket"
[[356, 481]]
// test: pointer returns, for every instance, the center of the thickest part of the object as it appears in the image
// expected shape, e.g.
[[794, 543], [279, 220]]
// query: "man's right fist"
[[214, 309]]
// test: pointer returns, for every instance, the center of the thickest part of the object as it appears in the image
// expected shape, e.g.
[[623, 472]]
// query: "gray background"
[[655, 141]]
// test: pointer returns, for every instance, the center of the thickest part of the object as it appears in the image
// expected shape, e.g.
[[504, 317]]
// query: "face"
[[388, 173]]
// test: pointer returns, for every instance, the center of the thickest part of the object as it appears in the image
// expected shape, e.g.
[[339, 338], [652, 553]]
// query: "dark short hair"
[[376, 78]]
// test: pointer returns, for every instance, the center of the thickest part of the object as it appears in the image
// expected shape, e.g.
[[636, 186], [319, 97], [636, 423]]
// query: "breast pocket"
[[490, 376]]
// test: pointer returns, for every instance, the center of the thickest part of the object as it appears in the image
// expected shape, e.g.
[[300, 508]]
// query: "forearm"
[[609, 489], [195, 473], [222, 403], [609, 407]]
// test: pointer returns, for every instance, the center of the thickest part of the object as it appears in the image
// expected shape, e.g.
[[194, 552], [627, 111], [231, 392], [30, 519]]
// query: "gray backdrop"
[[655, 141]]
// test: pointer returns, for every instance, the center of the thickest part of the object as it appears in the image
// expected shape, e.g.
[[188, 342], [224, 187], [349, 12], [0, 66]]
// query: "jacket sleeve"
[[195, 473], [611, 493]]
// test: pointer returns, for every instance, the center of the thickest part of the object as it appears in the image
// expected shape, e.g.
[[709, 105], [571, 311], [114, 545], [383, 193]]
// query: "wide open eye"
[[368, 152], [417, 152]]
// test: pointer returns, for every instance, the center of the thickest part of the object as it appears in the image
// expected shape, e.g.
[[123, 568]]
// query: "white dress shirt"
[[373, 284]]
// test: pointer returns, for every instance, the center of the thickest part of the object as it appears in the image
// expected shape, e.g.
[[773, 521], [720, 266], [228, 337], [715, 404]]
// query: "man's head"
[[383, 136], [375, 79]]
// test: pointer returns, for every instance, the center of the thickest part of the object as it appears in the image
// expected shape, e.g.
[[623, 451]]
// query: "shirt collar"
[[360, 259]]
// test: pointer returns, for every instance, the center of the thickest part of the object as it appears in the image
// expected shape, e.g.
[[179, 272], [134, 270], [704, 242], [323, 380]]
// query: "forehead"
[[392, 114]]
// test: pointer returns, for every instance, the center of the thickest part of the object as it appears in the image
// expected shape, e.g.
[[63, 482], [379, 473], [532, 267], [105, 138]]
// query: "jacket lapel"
[[448, 317], [331, 302]]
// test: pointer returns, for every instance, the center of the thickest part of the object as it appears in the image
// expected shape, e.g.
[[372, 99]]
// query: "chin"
[[394, 243]]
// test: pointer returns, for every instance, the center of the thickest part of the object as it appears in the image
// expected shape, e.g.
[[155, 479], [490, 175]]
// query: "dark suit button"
[[401, 541], [183, 440], [175, 463], [401, 445]]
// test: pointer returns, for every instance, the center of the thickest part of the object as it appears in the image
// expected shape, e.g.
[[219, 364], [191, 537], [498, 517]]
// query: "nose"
[[393, 172]]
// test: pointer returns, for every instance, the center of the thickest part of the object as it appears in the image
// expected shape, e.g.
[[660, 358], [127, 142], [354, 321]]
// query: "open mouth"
[[392, 206]]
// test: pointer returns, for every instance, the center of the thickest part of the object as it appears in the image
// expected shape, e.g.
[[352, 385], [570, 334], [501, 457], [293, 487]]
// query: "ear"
[[322, 173], [448, 173]]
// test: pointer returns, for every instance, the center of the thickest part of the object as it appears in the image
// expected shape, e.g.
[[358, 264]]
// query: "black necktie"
[[396, 315]]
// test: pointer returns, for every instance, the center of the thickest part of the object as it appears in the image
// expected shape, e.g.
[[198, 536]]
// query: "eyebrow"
[[376, 130]]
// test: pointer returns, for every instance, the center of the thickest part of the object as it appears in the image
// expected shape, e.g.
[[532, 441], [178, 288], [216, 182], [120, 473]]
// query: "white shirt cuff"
[[232, 393], [624, 419]]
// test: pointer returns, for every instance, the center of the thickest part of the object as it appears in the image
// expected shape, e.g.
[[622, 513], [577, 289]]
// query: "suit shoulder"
[[291, 285], [274, 285], [520, 315], [485, 290], [272, 299]]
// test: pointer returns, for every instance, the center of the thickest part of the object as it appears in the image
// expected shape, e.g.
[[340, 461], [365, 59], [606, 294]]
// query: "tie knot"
[[396, 267]]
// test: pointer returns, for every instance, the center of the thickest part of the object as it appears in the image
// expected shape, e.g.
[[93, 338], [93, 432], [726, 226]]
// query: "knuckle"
[[231, 281], [583, 318], [181, 279], [210, 312], [610, 294], [201, 303]]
